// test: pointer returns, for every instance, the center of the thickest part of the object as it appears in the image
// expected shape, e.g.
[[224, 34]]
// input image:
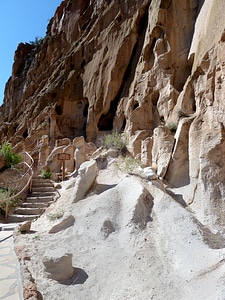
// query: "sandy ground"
[[130, 240]]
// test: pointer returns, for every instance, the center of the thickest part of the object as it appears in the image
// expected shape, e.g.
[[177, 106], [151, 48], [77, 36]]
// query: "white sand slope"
[[130, 240]]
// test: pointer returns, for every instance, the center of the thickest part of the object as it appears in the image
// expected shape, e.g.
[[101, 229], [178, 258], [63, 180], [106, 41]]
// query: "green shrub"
[[172, 126], [115, 141], [55, 216], [130, 164], [11, 158], [37, 41], [181, 113], [46, 174]]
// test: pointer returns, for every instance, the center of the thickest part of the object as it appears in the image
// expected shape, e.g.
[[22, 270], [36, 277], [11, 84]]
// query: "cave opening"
[[85, 111], [136, 105], [124, 124], [25, 134], [59, 110], [105, 122]]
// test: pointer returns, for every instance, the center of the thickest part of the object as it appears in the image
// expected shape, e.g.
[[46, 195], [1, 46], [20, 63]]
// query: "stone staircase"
[[41, 196]]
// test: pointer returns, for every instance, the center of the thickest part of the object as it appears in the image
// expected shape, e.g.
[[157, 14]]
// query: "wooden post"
[[7, 204], [63, 169]]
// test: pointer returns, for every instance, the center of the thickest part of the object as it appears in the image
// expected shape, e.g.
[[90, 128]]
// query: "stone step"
[[29, 211], [41, 178], [8, 227], [38, 183], [36, 204], [38, 198], [44, 189], [41, 196], [14, 218]]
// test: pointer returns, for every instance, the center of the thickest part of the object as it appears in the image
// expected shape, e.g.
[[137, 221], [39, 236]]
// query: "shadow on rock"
[[177, 197], [79, 277], [100, 188]]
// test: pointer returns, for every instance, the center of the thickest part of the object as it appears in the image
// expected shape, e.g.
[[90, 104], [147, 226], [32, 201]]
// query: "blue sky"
[[21, 21]]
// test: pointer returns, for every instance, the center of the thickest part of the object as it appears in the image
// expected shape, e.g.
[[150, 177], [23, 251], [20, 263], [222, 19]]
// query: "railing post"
[[7, 204], [30, 185]]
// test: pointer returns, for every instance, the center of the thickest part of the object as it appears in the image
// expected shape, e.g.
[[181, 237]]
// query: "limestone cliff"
[[151, 69]]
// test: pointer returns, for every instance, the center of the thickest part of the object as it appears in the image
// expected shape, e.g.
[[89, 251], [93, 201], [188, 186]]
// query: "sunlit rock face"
[[151, 69]]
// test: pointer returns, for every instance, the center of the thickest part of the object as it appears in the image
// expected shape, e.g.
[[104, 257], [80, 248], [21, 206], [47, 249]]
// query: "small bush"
[[46, 174], [55, 216], [130, 164], [172, 126], [181, 113], [11, 158], [37, 41], [115, 141]]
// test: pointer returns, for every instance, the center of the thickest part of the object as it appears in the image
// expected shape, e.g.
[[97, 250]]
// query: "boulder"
[[24, 227], [58, 264], [148, 173], [86, 177], [64, 224], [163, 143], [80, 152]]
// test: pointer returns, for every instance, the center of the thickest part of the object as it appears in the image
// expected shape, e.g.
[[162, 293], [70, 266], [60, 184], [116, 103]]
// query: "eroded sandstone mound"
[[131, 240]]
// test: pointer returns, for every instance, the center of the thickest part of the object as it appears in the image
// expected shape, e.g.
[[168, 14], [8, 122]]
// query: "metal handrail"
[[9, 185]]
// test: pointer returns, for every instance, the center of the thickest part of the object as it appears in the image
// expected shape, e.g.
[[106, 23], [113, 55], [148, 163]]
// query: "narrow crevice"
[[106, 120], [200, 3], [130, 71]]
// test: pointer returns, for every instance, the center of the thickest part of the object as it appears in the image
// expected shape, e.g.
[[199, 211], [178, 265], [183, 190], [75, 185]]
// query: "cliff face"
[[152, 69]]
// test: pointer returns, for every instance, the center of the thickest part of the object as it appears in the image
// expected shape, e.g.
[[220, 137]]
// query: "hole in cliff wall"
[[25, 134], [124, 124], [53, 95], [59, 110], [85, 111], [83, 63], [194, 107], [136, 105], [155, 97], [106, 120]]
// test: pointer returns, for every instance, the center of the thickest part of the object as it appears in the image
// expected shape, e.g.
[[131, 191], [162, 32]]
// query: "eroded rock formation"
[[152, 69]]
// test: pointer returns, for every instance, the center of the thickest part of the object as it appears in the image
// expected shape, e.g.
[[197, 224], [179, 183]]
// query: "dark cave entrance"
[[105, 122], [25, 134], [59, 110]]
